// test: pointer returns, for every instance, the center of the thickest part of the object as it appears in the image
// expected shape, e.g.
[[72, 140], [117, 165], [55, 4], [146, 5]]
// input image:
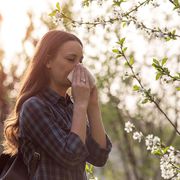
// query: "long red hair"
[[35, 79]]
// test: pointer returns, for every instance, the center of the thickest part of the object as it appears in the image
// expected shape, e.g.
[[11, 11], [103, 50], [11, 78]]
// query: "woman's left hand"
[[93, 100]]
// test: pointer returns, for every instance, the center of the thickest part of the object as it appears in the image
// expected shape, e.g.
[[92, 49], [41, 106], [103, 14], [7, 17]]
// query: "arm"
[[98, 143], [37, 122], [96, 125], [78, 122]]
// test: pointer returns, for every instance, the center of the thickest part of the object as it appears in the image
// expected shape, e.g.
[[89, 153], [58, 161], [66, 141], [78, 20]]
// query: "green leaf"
[[158, 75], [164, 60], [176, 78], [164, 150], [154, 65], [167, 71], [131, 61], [178, 88], [123, 24], [156, 61], [58, 6], [85, 3], [136, 88], [87, 168], [118, 56], [157, 152], [122, 41], [167, 38], [91, 167], [173, 32], [118, 3], [115, 50], [144, 101], [53, 13], [126, 64], [176, 2], [178, 74], [124, 49]]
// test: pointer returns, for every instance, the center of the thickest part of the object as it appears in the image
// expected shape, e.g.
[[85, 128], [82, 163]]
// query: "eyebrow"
[[72, 54]]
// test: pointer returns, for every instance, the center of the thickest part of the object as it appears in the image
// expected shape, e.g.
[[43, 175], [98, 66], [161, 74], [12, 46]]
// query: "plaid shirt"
[[45, 122]]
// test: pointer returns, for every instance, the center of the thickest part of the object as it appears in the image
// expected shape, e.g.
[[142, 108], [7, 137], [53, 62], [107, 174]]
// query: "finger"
[[86, 77], [78, 74], [82, 75], [75, 75]]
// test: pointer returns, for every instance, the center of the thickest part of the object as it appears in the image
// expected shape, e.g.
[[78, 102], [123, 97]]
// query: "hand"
[[80, 89], [93, 99]]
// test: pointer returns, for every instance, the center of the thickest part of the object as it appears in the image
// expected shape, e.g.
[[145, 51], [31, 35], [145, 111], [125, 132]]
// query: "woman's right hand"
[[80, 90]]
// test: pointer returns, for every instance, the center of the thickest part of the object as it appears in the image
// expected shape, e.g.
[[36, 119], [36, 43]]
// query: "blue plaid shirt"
[[45, 122]]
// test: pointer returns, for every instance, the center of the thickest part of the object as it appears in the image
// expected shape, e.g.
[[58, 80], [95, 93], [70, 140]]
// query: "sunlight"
[[15, 22]]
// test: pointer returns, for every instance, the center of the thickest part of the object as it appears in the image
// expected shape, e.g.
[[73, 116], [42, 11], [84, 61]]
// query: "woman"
[[66, 133]]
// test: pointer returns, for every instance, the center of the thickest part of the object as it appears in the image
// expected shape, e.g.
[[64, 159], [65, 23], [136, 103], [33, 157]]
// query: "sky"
[[15, 21]]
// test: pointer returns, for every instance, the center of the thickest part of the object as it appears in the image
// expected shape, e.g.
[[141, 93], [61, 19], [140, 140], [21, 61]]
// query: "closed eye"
[[72, 60], [71, 57]]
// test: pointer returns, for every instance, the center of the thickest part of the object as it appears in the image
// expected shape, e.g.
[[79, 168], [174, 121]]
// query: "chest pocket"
[[62, 115]]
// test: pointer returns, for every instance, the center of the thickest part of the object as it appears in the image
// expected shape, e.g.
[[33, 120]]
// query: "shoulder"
[[32, 110], [32, 104]]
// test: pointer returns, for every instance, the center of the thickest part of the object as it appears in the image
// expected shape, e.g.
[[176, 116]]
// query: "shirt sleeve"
[[97, 155], [36, 120]]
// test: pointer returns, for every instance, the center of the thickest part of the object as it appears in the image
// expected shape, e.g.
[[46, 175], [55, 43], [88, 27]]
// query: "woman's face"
[[68, 55]]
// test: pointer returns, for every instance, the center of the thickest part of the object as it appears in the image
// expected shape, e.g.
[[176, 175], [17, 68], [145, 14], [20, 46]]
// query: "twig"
[[149, 96]]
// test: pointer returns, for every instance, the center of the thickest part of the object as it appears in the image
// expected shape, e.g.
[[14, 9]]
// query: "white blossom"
[[137, 136], [169, 160], [168, 170], [152, 142], [56, 21], [171, 148], [128, 126], [58, 15]]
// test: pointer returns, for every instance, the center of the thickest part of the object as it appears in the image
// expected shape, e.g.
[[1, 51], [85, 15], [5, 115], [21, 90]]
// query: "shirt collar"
[[54, 97]]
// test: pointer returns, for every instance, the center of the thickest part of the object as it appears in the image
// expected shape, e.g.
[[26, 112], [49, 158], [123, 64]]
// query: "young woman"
[[66, 133]]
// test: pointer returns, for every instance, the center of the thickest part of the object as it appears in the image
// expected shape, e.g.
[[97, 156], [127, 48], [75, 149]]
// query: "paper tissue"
[[91, 77]]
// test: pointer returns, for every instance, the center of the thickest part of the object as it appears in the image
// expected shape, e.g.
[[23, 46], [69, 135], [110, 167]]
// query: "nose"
[[77, 64]]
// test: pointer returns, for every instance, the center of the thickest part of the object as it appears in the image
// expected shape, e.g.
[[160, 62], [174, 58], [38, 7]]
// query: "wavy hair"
[[34, 80]]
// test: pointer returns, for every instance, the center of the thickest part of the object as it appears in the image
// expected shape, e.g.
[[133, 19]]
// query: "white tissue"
[[91, 77]]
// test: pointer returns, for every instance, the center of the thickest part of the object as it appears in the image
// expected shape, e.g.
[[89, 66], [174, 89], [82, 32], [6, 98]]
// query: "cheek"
[[60, 70], [56, 70]]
